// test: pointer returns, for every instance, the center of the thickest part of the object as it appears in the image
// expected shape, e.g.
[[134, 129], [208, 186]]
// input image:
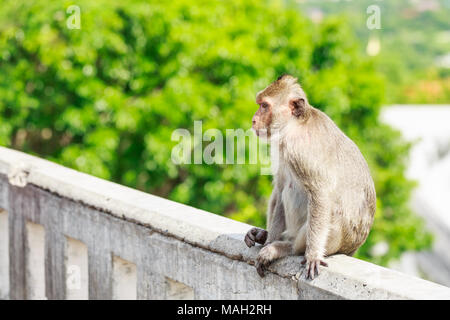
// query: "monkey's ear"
[[298, 107]]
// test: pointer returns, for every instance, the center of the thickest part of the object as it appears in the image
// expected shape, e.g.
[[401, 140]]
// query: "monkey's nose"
[[253, 122]]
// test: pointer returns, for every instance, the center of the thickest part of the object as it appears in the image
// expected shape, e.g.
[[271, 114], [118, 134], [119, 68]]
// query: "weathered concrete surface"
[[4, 255], [173, 246]]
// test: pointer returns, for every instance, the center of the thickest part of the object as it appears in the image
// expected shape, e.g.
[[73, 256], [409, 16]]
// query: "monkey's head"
[[282, 101]]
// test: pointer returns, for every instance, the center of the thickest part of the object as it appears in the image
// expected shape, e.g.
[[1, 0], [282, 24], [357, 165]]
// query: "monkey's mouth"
[[261, 133]]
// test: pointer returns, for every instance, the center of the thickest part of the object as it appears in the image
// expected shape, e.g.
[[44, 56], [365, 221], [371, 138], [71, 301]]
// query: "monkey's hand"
[[312, 266], [255, 235]]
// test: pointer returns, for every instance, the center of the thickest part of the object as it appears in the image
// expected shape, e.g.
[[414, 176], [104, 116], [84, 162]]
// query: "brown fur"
[[324, 199]]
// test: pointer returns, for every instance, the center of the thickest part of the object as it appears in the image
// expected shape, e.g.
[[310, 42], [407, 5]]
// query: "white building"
[[429, 126]]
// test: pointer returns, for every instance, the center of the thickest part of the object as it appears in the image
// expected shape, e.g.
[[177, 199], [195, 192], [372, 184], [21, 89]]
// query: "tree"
[[105, 98]]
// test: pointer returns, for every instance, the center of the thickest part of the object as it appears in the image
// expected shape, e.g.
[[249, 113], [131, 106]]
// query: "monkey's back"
[[354, 197], [346, 177]]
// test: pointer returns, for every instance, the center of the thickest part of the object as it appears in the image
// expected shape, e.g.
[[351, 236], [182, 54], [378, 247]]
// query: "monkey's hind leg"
[[271, 252]]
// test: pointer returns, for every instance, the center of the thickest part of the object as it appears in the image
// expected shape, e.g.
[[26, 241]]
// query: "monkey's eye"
[[264, 105]]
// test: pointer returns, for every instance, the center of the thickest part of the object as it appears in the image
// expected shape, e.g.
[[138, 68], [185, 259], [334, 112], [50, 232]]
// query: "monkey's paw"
[[255, 235], [312, 266], [265, 256]]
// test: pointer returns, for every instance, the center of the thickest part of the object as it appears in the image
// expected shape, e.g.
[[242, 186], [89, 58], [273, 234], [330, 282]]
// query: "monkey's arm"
[[317, 231], [276, 222]]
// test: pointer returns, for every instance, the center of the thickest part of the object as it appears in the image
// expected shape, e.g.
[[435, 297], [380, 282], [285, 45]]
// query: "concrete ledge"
[[212, 237]]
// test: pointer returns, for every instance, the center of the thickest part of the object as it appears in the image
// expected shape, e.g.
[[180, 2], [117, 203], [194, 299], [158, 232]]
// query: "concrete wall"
[[68, 235]]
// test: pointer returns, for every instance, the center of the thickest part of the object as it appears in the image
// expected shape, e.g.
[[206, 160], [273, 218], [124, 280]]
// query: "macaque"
[[323, 200]]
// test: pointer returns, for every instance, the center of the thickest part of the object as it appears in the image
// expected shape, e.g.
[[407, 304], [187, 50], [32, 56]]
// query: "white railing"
[[68, 235]]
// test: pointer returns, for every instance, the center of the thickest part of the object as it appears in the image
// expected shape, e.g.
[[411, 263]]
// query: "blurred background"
[[102, 92]]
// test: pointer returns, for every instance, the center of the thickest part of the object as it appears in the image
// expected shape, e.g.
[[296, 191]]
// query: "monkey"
[[323, 199]]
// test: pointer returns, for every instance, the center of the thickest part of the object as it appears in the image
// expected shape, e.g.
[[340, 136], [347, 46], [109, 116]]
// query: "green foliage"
[[412, 39], [105, 99]]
